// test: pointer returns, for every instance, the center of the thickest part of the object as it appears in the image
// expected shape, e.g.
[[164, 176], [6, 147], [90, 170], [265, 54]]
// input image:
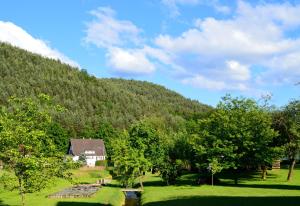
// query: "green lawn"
[[251, 191], [108, 195]]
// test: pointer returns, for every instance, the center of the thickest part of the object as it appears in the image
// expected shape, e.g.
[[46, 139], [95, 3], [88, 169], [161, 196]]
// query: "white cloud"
[[225, 50], [106, 31], [115, 36], [286, 14], [221, 8], [200, 81], [226, 37], [129, 61], [237, 71], [216, 54], [203, 82], [173, 5], [16, 36]]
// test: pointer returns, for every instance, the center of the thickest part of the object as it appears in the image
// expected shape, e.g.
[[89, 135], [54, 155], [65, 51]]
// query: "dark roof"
[[79, 146]]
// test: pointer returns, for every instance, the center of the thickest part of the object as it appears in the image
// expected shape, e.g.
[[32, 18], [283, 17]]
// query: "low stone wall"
[[78, 191]]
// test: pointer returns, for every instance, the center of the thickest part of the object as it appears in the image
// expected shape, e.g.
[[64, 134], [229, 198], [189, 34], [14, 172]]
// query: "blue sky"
[[202, 49]]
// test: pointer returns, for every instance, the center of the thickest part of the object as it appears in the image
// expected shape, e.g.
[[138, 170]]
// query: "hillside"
[[87, 98]]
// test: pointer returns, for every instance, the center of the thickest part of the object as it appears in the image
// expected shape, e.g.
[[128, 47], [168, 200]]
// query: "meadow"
[[251, 191], [105, 196]]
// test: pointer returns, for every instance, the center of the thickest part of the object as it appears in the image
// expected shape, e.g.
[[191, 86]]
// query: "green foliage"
[[182, 149], [90, 101], [237, 134], [149, 141], [106, 132], [101, 163], [287, 123], [59, 136], [214, 167], [82, 160], [25, 147], [129, 162], [170, 170]]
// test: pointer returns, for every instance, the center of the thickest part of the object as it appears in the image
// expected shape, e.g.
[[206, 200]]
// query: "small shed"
[[276, 164]]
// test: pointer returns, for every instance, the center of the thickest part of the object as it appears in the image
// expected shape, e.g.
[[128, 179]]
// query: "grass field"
[[105, 196], [251, 191]]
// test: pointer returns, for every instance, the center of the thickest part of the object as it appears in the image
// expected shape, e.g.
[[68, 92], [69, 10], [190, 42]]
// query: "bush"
[[101, 163]]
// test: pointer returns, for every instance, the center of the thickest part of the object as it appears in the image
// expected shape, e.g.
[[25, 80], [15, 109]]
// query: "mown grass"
[[107, 195], [251, 191]]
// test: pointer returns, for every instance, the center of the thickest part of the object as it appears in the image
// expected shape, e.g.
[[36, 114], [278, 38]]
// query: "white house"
[[91, 149]]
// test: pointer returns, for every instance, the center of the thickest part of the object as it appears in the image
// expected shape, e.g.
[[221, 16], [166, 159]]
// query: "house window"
[[100, 158], [89, 152]]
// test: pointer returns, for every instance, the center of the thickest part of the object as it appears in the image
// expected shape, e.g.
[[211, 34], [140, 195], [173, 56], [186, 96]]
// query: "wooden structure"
[[276, 164]]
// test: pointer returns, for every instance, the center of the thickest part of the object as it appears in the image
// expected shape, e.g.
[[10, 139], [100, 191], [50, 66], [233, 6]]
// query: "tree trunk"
[[23, 198], [236, 178], [141, 183], [291, 168], [212, 179], [264, 172], [21, 190]]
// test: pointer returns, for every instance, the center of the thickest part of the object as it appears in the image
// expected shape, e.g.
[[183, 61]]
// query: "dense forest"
[[145, 127], [90, 101]]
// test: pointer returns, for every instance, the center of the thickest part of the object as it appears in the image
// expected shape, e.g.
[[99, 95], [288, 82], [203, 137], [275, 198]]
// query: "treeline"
[[89, 101], [145, 126], [238, 136]]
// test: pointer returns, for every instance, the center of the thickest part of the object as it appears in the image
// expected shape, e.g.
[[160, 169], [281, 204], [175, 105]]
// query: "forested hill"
[[89, 100]]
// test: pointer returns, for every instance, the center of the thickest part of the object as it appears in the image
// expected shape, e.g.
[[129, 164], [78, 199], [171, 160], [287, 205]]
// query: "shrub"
[[101, 163]]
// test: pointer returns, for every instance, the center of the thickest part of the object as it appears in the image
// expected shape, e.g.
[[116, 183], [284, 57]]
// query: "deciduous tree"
[[237, 135], [287, 123], [25, 148]]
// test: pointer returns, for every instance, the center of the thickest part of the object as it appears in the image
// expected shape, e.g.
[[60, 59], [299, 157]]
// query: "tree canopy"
[[25, 146], [237, 135], [287, 123], [89, 100]]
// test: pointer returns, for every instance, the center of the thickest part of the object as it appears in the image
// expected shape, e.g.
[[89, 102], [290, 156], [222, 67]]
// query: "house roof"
[[79, 146]]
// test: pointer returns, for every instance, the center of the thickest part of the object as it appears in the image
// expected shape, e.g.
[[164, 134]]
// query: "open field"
[[105, 196], [251, 191]]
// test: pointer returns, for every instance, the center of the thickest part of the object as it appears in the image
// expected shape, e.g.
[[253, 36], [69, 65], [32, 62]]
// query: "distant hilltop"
[[89, 99]]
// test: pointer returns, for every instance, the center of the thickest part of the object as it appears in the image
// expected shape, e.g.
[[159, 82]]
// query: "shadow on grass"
[[2, 204], [245, 175], [190, 180], [228, 201], [265, 186], [113, 185], [185, 180], [80, 204]]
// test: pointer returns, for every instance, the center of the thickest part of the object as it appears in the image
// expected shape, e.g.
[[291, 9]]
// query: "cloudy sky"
[[202, 49]]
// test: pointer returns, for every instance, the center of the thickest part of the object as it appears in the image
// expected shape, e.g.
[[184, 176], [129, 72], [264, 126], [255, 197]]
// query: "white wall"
[[90, 160]]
